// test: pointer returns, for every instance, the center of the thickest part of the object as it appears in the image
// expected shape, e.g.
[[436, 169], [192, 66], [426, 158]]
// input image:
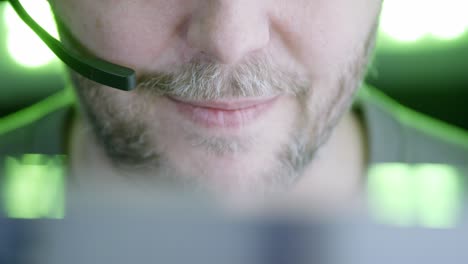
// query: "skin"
[[320, 49]]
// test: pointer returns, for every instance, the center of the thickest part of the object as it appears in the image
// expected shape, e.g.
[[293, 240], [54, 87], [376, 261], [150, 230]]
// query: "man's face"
[[236, 95]]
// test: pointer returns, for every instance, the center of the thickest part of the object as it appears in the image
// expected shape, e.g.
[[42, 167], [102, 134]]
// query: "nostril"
[[183, 28], [204, 57]]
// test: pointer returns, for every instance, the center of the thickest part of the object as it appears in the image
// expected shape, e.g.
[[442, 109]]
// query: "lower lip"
[[221, 118]]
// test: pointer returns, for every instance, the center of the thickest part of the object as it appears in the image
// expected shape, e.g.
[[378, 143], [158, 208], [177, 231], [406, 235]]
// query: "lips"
[[223, 113]]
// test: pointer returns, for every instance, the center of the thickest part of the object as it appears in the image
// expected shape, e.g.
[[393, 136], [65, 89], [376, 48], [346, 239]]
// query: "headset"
[[93, 68]]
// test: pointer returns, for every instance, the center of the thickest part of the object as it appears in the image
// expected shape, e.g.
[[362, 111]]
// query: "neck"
[[334, 178]]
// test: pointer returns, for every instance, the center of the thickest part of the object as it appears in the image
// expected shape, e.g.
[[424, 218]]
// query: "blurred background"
[[421, 58]]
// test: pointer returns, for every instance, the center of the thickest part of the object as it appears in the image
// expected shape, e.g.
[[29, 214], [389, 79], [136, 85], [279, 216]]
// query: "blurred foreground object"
[[121, 232]]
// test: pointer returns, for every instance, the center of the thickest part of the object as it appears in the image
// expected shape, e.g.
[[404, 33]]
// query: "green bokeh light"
[[427, 195], [411, 20], [22, 43], [391, 193], [34, 187], [440, 195]]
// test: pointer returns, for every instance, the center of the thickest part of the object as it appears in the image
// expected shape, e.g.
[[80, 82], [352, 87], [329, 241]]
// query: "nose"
[[228, 30]]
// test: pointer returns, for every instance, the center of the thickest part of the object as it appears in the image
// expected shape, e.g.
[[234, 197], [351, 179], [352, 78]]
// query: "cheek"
[[131, 35], [330, 34]]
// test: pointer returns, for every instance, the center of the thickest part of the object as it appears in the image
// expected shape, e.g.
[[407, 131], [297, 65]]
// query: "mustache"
[[206, 80]]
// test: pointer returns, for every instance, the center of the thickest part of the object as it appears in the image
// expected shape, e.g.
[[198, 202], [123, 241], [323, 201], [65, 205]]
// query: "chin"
[[230, 160], [254, 171]]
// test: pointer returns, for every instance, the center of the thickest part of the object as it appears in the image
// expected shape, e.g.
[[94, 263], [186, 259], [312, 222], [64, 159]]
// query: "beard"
[[130, 126]]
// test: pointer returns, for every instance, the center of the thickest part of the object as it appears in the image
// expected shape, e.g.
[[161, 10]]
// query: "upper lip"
[[226, 104]]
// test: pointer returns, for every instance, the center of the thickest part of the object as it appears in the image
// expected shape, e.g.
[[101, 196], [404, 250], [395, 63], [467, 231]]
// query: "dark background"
[[430, 76]]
